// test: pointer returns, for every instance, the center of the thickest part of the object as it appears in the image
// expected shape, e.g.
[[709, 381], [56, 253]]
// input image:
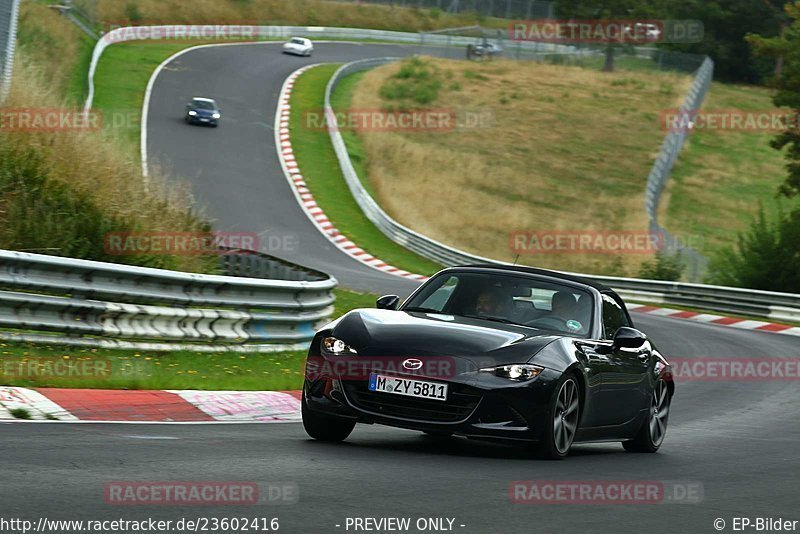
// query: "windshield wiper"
[[420, 309], [492, 318]]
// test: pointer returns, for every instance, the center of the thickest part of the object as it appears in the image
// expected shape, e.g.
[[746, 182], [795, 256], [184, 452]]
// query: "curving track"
[[738, 439]]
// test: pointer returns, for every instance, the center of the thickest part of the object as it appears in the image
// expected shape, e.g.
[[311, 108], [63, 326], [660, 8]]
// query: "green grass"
[[342, 99], [131, 369], [316, 158], [121, 80], [78, 82], [721, 176]]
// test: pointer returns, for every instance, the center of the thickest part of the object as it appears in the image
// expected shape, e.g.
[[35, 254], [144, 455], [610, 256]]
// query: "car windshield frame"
[[205, 105], [503, 282]]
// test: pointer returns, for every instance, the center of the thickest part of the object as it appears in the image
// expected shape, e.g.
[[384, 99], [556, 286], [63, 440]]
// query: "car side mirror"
[[629, 338], [388, 302]]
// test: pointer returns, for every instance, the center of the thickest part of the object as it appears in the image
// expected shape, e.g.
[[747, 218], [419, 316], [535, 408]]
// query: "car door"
[[625, 384]]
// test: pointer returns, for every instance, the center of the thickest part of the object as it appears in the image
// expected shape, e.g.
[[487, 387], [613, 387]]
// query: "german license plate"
[[408, 386]]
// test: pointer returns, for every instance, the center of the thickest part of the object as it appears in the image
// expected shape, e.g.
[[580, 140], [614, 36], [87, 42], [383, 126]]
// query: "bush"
[[663, 267], [766, 257], [416, 82]]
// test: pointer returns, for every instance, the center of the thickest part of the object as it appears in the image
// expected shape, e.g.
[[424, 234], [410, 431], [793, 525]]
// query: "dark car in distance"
[[492, 352], [202, 111]]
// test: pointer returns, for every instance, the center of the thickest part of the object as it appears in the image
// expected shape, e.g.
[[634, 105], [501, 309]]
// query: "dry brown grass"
[[570, 149], [97, 167], [294, 12], [50, 42]]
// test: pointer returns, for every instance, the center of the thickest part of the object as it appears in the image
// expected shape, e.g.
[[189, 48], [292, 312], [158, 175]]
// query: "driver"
[[490, 302], [563, 305]]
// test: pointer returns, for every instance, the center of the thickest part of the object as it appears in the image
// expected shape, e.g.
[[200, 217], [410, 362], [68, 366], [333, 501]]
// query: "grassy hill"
[[561, 149]]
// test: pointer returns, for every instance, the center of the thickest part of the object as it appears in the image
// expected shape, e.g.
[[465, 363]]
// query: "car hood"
[[415, 334]]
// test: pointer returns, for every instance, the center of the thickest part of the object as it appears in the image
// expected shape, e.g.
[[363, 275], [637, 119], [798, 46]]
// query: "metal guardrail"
[[71, 301], [775, 306], [662, 169], [245, 33], [9, 15]]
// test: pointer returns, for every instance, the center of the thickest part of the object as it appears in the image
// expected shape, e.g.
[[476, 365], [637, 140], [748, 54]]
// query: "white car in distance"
[[299, 46]]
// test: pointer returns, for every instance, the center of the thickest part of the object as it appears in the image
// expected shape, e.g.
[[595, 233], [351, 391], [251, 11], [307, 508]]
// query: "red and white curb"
[[99, 405], [291, 171], [735, 322]]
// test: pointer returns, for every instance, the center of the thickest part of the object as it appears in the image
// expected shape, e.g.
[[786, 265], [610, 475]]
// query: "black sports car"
[[487, 352], [202, 111]]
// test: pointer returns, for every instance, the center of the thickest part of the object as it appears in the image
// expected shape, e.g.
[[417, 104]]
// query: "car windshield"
[[203, 104], [298, 41], [523, 300]]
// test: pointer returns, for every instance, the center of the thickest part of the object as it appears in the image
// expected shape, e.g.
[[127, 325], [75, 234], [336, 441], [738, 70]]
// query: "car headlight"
[[215, 116], [517, 371], [192, 112], [335, 346]]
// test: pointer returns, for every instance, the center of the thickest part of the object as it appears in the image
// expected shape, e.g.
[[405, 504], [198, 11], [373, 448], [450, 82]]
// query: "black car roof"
[[542, 272]]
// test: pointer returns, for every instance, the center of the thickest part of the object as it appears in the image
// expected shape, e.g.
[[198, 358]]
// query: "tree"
[[663, 267], [606, 10], [726, 23], [787, 47], [766, 257]]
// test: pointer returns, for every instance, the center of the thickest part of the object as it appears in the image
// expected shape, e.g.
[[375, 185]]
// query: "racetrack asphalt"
[[737, 439]]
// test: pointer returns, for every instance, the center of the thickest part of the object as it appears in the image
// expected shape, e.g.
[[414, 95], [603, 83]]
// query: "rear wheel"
[[651, 435], [324, 427], [564, 416]]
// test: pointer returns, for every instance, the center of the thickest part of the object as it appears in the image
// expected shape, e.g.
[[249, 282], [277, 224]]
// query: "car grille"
[[461, 402]]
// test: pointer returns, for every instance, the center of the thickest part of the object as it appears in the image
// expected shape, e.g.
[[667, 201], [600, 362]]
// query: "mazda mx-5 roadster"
[[488, 352]]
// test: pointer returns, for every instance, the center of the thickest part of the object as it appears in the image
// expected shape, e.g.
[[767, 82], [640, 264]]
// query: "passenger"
[[583, 310], [563, 305]]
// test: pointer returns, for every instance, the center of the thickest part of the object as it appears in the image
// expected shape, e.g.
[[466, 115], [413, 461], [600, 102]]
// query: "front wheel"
[[323, 427], [651, 435], [564, 416]]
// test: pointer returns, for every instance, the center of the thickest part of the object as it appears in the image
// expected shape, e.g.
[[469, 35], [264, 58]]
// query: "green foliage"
[[132, 12], [20, 413], [663, 267], [472, 75], [787, 48], [766, 257], [417, 82], [725, 23], [43, 215]]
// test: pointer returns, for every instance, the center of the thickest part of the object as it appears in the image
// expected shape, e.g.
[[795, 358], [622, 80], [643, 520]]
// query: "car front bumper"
[[479, 405]]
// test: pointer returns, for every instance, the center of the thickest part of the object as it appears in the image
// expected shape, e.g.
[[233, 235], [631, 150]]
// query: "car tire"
[[564, 412], [323, 427], [651, 435]]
